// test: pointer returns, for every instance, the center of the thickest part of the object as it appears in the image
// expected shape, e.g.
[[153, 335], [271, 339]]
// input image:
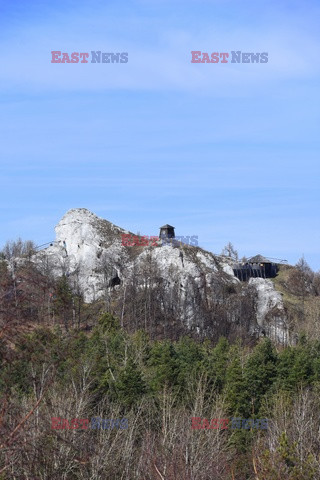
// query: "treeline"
[[32, 293], [158, 385], [42, 291]]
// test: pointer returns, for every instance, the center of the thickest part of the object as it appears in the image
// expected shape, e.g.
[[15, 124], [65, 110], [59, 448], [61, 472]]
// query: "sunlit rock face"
[[84, 244], [89, 250], [270, 312]]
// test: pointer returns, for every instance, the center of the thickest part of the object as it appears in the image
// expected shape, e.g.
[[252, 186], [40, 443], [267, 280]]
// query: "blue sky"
[[228, 152]]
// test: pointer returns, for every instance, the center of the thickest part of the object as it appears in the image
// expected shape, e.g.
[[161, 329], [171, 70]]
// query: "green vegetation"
[[158, 386]]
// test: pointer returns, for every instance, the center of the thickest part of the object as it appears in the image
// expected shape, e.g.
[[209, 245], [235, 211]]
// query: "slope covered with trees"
[[158, 385], [63, 358]]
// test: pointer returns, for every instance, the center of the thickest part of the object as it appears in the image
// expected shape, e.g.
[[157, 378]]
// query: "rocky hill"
[[161, 286]]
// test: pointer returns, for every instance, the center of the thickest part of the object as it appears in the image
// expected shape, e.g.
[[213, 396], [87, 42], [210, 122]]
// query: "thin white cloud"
[[163, 63]]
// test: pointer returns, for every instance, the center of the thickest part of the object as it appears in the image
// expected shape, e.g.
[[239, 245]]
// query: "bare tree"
[[18, 248], [230, 251]]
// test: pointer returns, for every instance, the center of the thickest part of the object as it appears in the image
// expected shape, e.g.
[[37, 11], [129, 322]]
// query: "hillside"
[[166, 286], [110, 355]]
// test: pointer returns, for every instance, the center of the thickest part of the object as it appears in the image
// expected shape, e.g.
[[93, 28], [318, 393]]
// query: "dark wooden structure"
[[257, 266], [166, 231]]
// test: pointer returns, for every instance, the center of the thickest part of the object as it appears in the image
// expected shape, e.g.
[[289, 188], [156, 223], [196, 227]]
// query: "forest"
[[62, 358]]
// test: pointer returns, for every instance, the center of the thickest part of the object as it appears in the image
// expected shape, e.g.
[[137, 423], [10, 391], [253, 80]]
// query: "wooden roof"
[[259, 259]]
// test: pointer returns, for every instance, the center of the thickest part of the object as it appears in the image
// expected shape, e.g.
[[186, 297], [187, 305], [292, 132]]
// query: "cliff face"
[[187, 283]]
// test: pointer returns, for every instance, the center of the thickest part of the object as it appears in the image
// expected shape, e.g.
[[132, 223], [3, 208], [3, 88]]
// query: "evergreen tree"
[[260, 373], [237, 394], [164, 365], [129, 386], [216, 363], [295, 367], [63, 300], [189, 361]]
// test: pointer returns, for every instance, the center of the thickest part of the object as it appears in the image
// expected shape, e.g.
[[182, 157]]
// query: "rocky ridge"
[[89, 251]]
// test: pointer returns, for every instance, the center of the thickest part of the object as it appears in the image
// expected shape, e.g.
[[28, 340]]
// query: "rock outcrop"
[[189, 282]]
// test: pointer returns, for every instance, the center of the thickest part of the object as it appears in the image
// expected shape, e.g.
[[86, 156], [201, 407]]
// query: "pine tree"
[[260, 373], [164, 365], [63, 300], [237, 394], [129, 386]]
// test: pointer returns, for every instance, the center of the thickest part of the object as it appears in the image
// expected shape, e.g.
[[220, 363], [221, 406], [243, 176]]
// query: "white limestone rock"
[[88, 249]]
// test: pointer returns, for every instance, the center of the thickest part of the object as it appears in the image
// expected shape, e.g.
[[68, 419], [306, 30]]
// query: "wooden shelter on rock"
[[166, 231], [257, 266]]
